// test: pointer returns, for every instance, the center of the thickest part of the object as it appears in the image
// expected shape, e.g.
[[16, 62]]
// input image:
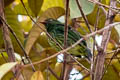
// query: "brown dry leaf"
[[33, 36]]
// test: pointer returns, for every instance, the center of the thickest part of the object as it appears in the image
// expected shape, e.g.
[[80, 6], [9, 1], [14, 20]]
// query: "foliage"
[[34, 38]]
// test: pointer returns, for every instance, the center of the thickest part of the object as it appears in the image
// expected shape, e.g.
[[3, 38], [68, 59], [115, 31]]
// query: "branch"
[[106, 6], [99, 69], [93, 61], [66, 69], [7, 40]]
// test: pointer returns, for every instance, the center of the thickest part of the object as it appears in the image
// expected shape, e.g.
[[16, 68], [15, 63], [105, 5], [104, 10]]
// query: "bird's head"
[[50, 22]]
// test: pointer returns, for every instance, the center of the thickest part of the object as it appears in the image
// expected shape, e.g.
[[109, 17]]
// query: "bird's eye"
[[50, 19]]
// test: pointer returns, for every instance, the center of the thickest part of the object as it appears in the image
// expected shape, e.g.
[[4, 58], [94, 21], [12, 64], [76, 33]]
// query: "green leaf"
[[12, 20], [27, 22], [102, 17], [57, 70], [43, 41], [111, 74], [19, 9], [52, 3], [53, 12], [6, 68], [87, 8], [35, 6], [115, 34], [92, 18]]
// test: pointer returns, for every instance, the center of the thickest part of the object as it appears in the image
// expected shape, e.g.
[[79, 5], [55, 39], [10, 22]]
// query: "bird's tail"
[[88, 54]]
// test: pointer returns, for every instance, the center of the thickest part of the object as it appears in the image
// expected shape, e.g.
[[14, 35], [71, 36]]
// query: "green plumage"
[[56, 30]]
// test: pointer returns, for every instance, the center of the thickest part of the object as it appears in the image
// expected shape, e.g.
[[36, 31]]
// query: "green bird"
[[56, 30]]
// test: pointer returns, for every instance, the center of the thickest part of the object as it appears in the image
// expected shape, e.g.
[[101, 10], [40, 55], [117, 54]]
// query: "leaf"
[[6, 68], [33, 36], [35, 6], [111, 74], [42, 55], [52, 3], [43, 40], [19, 9], [12, 20], [92, 18], [57, 70], [83, 29], [115, 35], [35, 32], [54, 12], [87, 8], [37, 76], [117, 18], [117, 27], [26, 24]]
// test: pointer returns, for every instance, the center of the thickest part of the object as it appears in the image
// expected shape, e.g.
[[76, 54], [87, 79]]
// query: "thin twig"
[[54, 74], [80, 64], [103, 9], [2, 50], [113, 51], [106, 6], [93, 58], [84, 17], [65, 74], [47, 71]]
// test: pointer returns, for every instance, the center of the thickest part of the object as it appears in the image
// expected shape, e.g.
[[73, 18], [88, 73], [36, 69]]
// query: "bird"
[[56, 29]]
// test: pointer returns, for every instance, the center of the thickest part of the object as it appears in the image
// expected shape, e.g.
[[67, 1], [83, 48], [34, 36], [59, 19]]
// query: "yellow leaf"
[[37, 76], [6, 68], [52, 3]]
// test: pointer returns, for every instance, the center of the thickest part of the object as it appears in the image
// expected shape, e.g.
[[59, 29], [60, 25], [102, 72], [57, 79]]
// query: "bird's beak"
[[43, 22]]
